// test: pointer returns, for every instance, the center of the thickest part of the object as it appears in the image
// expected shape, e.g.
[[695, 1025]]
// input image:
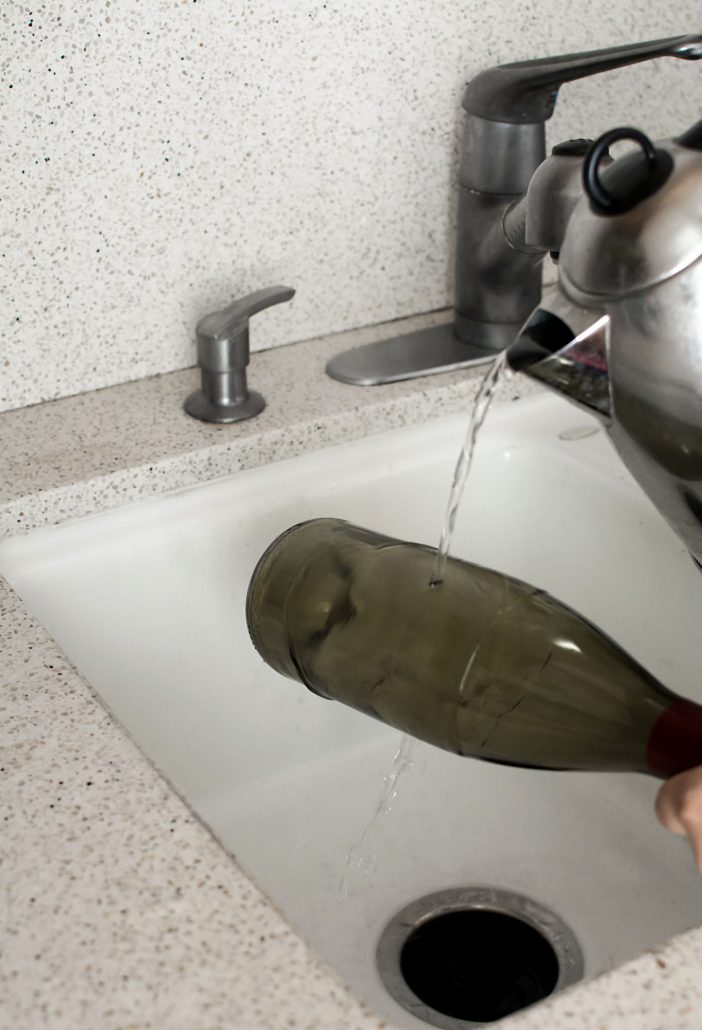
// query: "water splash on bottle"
[[497, 374], [360, 857]]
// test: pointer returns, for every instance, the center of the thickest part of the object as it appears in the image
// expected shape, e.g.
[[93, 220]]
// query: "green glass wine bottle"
[[480, 664]]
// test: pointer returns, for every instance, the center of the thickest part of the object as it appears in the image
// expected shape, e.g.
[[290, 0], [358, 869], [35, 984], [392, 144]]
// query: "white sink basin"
[[148, 602]]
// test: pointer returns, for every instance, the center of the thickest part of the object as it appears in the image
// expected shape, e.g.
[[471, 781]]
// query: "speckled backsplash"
[[161, 158]]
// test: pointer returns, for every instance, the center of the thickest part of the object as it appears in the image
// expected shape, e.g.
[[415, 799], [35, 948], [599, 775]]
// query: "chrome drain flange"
[[472, 955]]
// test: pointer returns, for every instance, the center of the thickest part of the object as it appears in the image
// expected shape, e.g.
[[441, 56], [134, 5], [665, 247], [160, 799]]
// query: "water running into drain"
[[497, 374], [359, 857]]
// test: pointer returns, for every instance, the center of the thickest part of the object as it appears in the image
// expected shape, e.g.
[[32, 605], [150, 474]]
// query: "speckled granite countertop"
[[118, 909]]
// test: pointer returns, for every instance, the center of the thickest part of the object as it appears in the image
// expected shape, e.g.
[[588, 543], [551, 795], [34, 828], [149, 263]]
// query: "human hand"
[[679, 808]]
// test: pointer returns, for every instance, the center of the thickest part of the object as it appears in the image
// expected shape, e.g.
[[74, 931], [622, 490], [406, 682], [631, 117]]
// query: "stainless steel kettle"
[[621, 333]]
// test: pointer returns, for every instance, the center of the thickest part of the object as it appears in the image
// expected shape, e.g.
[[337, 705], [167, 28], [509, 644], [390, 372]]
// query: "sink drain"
[[470, 956]]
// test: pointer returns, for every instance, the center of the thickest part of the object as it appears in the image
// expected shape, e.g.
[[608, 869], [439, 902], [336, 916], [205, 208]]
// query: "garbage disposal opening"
[[471, 956]]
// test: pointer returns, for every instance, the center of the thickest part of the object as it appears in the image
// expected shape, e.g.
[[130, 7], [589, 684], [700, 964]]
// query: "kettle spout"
[[564, 346]]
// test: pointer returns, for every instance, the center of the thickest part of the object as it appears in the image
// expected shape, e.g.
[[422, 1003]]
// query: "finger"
[[693, 828], [666, 809]]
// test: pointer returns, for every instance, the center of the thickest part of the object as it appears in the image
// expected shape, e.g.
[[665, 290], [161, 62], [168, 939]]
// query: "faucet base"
[[422, 353]]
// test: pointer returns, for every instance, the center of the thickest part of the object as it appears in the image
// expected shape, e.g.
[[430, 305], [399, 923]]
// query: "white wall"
[[160, 158]]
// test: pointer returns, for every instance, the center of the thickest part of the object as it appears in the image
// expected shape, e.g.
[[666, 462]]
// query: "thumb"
[[679, 808]]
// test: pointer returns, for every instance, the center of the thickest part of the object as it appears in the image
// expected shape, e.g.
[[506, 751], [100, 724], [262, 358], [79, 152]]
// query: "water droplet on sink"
[[578, 432]]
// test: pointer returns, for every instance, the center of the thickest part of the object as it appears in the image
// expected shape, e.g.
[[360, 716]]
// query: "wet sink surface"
[[148, 602]]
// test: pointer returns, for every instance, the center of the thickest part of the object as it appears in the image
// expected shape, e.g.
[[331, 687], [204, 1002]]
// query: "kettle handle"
[[631, 184]]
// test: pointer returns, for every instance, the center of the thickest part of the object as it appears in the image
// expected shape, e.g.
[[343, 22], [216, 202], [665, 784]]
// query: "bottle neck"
[[675, 742]]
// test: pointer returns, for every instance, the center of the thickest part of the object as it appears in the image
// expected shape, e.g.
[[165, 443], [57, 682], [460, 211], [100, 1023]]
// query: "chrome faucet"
[[501, 234]]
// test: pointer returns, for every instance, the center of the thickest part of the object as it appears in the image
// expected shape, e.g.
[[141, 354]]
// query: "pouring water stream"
[[498, 373]]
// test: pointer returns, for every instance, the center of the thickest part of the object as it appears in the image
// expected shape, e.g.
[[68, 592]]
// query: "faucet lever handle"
[[525, 92]]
